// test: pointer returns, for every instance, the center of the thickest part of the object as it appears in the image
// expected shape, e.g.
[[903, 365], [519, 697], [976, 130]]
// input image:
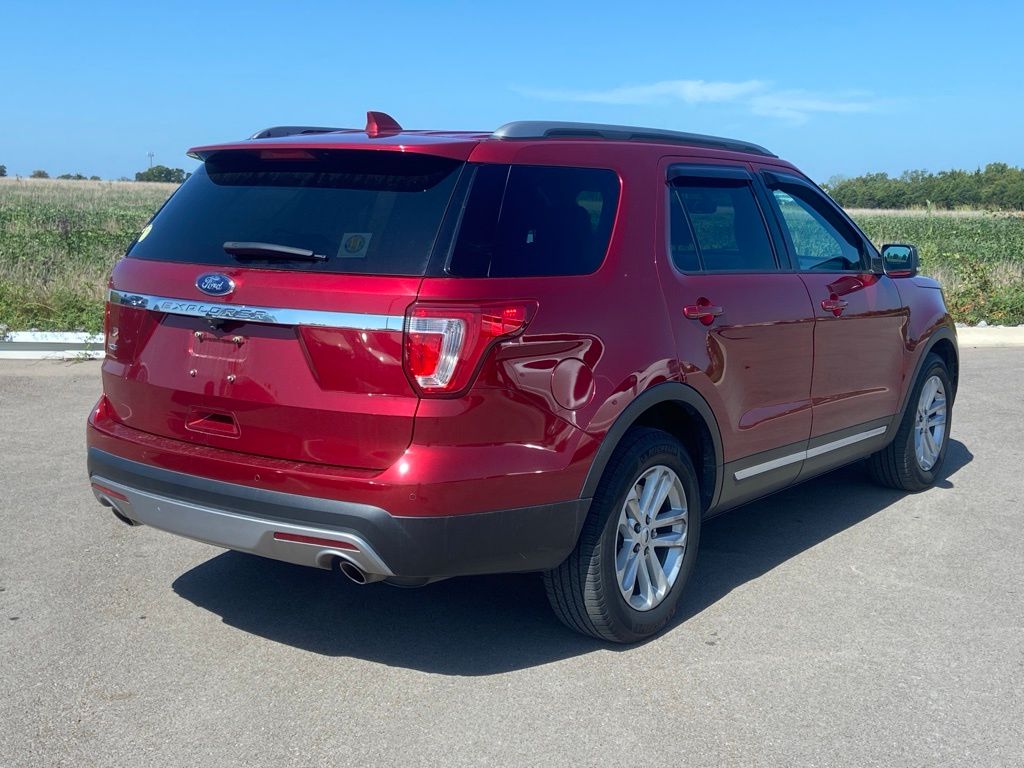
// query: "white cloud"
[[757, 96], [687, 91], [798, 106]]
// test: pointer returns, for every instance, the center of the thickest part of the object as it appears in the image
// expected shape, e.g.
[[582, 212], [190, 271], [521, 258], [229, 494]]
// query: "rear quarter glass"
[[535, 221], [367, 212]]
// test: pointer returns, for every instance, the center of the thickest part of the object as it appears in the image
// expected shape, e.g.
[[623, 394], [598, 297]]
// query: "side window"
[[821, 239], [715, 225], [525, 220], [682, 246]]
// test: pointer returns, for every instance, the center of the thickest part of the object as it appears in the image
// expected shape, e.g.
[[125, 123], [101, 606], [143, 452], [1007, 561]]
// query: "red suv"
[[556, 347]]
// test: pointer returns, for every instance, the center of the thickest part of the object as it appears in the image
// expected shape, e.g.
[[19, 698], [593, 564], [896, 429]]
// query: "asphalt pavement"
[[835, 624]]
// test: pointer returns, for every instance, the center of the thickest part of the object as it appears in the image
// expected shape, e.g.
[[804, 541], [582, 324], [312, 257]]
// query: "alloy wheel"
[[930, 423], [651, 538]]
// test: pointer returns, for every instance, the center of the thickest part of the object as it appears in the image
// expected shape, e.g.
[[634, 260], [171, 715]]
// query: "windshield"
[[367, 212]]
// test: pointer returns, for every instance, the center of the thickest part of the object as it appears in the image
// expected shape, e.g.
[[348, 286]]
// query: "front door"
[[859, 327]]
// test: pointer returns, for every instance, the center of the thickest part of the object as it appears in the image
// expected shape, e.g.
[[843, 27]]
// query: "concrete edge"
[[67, 338], [993, 336], [50, 354]]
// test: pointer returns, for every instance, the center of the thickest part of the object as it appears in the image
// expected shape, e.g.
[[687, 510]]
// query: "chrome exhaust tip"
[[106, 501], [356, 574], [116, 501], [123, 517]]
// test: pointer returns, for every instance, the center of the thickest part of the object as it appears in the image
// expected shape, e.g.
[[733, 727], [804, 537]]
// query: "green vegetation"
[[59, 240], [161, 173], [999, 187], [978, 257], [77, 177]]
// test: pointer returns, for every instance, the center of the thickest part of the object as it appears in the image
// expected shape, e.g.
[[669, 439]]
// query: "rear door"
[[743, 325], [297, 355], [859, 326]]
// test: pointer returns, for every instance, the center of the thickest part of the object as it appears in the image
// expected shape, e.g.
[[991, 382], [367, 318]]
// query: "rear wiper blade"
[[270, 251]]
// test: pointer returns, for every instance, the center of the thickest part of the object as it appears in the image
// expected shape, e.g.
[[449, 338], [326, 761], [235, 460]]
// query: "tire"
[[899, 465], [584, 590]]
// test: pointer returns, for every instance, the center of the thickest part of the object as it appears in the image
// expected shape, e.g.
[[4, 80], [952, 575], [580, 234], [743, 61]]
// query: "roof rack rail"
[[541, 129], [291, 130]]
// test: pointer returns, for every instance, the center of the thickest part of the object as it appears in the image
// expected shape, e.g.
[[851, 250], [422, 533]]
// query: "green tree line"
[[156, 173], [997, 186]]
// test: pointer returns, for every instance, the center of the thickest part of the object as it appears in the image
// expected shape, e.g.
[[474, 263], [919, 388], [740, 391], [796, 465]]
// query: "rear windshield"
[[367, 212], [531, 220]]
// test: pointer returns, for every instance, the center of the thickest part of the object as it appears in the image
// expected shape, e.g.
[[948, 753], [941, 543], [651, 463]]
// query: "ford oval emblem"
[[215, 284]]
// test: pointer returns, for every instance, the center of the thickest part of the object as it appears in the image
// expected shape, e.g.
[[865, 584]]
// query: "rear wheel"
[[638, 546], [913, 460]]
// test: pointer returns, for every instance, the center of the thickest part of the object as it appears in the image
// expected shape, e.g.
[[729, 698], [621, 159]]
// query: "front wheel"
[[638, 546], [913, 460]]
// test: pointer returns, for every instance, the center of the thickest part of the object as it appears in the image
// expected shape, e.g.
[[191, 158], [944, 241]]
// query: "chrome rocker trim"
[[810, 453], [218, 310], [239, 532]]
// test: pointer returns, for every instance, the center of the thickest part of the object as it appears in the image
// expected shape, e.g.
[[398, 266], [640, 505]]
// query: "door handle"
[[703, 310], [834, 304]]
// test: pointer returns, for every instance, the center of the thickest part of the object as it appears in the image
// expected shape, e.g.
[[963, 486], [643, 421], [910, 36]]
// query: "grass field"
[[59, 239]]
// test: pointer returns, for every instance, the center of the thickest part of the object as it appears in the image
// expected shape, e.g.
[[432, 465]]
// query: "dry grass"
[[963, 213]]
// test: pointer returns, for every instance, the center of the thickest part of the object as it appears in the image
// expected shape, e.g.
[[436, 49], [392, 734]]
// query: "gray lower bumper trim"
[[237, 516], [235, 531]]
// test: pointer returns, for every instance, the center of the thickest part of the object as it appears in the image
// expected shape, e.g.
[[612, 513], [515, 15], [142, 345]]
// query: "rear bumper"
[[252, 519]]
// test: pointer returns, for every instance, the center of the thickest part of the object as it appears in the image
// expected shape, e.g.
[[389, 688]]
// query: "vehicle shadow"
[[487, 625]]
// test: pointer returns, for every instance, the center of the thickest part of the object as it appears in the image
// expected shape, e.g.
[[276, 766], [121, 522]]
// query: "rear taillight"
[[444, 344], [433, 346], [126, 329], [110, 333]]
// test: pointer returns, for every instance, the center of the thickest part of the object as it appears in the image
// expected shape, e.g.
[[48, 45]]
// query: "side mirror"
[[899, 260]]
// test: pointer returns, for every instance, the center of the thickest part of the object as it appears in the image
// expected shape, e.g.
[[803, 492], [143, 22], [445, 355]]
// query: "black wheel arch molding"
[[942, 333], [666, 393]]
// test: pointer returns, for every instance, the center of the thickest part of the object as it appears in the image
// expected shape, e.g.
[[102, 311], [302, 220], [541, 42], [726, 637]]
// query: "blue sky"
[[837, 88]]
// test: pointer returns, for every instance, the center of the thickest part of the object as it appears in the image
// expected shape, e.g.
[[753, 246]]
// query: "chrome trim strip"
[[217, 310], [844, 441], [768, 466], [810, 453]]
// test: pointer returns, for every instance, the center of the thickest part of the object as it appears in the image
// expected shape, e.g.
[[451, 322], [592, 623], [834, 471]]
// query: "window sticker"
[[354, 245], [145, 231]]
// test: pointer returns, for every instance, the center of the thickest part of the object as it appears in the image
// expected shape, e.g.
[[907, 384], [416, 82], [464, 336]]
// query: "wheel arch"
[[942, 342], [945, 348], [681, 411]]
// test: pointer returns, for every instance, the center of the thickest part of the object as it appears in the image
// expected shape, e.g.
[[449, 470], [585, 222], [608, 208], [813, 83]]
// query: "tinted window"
[[717, 226], [367, 212], [682, 247], [820, 237], [526, 220]]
